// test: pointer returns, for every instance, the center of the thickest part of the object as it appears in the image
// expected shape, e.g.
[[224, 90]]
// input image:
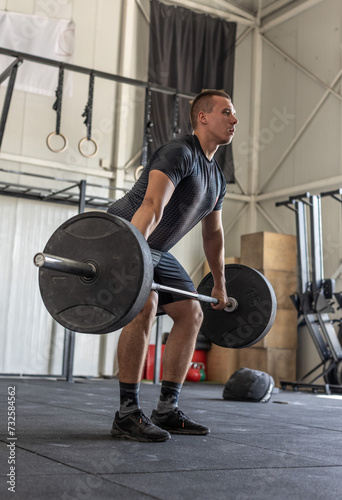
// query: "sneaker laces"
[[181, 416], [141, 418]]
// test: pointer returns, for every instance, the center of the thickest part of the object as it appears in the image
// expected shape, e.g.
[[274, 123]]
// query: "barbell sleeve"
[[85, 269]]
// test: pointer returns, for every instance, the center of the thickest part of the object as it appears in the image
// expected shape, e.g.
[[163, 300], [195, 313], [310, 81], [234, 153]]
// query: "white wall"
[[112, 36]]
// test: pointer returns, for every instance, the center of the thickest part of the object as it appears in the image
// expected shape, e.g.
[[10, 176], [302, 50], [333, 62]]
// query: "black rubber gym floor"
[[288, 448]]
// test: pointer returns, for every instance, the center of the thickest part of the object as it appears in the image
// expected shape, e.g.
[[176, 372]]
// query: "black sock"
[[169, 395], [129, 398]]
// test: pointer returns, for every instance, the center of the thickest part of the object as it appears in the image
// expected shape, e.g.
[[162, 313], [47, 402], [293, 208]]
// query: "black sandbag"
[[249, 385]]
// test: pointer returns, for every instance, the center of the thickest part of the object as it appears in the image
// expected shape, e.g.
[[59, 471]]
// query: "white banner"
[[40, 36]]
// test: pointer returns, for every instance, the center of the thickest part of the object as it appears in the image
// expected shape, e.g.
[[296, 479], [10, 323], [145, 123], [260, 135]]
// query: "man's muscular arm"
[[213, 245], [159, 191]]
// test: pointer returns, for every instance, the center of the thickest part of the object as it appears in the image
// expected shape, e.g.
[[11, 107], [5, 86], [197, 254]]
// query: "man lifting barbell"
[[181, 185], [96, 273]]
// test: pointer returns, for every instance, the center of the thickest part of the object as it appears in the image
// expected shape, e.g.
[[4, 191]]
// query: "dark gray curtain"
[[189, 52]]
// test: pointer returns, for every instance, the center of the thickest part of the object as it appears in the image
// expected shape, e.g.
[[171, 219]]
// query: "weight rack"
[[313, 299], [72, 192]]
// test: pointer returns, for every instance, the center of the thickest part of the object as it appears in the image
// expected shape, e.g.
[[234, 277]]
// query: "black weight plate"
[[123, 280], [254, 316]]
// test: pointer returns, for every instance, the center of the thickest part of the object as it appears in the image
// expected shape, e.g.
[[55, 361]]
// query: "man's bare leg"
[[130, 422], [134, 340], [187, 316]]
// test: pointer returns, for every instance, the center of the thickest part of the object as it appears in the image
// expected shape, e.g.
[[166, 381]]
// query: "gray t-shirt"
[[200, 187]]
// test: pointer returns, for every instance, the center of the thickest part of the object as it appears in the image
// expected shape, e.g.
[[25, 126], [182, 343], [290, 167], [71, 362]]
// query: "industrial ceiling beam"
[[199, 7], [273, 7], [234, 9], [300, 188], [288, 13]]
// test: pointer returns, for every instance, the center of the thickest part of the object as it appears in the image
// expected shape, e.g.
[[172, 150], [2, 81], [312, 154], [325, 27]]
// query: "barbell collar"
[[232, 305], [61, 264]]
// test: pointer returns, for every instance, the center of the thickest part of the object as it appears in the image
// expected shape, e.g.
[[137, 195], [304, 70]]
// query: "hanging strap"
[[88, 115], [57, 106], [59, 96], [88, 110]]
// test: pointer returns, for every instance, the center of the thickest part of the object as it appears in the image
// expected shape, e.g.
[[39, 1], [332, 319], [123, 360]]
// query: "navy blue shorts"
[[169, 272]]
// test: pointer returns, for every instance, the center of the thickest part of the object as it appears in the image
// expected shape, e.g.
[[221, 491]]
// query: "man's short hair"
[[204, 102]]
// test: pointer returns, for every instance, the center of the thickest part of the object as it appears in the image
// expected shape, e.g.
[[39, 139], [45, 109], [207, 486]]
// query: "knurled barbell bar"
[[96, 273]]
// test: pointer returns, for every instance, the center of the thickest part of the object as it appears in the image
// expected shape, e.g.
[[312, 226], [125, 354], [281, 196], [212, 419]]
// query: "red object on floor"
[[199, 357], [195, 374]]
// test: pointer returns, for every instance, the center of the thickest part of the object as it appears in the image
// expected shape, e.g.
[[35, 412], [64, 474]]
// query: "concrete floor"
[[288, 448]]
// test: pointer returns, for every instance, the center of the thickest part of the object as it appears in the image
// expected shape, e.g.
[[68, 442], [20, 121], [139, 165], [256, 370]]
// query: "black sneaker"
[[176, 422], [138, 427]]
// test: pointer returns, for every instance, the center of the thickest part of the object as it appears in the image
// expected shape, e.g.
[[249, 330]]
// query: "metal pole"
[[81, 205], [70, 349], [7, 102], [302, 250], [157, 352], [316, 243], [192, 295], [8, 71], [70, 354], [327, 329], [255, 126], [304, 280], [101, 74]]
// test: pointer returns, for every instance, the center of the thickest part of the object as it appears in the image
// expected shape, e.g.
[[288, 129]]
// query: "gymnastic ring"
[[85, 154], [60, 149]]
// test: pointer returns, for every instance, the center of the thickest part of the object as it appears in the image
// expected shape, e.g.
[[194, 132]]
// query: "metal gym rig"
[[314, 297]]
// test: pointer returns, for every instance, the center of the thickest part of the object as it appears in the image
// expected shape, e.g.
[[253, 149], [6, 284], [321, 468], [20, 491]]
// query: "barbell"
[[96, 273]]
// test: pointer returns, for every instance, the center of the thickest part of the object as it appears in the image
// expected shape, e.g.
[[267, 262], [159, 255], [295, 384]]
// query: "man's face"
[[221, 122]]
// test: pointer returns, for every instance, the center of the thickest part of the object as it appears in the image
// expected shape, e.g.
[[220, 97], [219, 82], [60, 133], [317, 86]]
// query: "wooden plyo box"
[[275, 256], [221, 363], [269, 251], [284, 284], [280, 363], [283, 334], [277, 347]]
